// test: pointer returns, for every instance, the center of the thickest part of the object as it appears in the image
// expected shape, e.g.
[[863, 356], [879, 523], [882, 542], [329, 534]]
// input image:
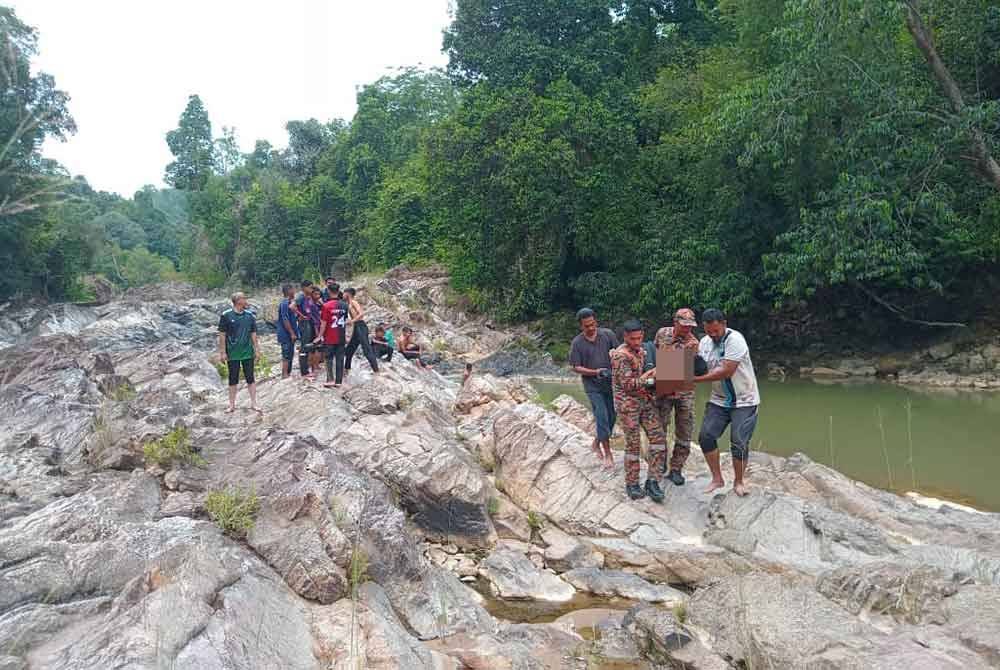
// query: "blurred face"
[[681, 330], [634, 340], [330, 282], [588, 327], [240, 304], [715, 329], [317, 296]]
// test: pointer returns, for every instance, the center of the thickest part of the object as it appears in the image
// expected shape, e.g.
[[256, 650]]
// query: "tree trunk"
[[925, 42]]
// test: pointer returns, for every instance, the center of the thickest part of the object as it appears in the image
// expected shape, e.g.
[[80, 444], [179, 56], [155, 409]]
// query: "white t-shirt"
[[740, 390]]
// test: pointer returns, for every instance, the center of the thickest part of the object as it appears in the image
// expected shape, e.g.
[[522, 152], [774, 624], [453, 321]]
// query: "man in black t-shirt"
[[590, 356]]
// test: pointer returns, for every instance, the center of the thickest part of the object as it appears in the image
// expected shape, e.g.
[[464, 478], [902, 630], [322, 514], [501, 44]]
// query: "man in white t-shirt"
[[734, 398]]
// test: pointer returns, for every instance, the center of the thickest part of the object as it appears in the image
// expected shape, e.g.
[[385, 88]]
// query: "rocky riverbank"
[[371, 513]]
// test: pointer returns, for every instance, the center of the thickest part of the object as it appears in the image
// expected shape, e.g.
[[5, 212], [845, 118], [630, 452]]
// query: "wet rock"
[[665, 640], [512, 575], [517, 361], [823, 373], [614, 583]]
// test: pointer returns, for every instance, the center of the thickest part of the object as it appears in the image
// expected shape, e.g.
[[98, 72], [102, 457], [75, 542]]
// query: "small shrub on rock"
[[174, 447], [232, 510]]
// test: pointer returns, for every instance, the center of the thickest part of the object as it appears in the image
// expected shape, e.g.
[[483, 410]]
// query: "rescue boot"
[[654, 491], [634, 492]]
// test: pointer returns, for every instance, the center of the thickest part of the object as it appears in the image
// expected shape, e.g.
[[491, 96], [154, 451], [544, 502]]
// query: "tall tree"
[[192, 147]]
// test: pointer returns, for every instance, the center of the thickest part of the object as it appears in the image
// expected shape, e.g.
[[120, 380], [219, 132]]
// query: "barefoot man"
[[590, 356], [238, 347], [734, 398]]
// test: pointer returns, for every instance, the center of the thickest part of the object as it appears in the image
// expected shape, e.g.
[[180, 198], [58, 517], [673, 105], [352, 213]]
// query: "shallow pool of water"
[[944, 443]]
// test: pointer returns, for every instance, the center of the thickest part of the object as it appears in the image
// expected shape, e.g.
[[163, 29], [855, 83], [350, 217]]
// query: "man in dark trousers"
[[359, 335], [589, 354], [332, 331], [287, 329]]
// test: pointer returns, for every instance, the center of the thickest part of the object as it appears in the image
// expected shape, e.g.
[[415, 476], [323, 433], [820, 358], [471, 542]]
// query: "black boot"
[[654, 491], [633, 491], [676, 477]]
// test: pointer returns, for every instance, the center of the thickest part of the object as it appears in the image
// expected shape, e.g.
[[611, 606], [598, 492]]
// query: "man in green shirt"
[[238, 347]]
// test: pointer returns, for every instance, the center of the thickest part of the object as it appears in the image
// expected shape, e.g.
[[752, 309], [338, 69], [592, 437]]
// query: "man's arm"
[[322, 329], [286, 320], [621, 376], [586, 372], [222, 346], [724, 371], [256, 346]]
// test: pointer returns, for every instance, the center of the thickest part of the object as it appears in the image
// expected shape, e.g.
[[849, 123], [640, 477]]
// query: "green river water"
[[942, 443]]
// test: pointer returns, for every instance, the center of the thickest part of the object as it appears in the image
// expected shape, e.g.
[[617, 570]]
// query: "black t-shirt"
[[594, 355]]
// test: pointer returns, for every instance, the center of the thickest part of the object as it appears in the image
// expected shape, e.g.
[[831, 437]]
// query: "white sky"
[[130, 65]]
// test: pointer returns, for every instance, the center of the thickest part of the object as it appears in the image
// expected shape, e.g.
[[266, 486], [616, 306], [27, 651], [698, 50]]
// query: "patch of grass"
[[174, 447], [535, 520], [105, 435], [123, 393], [680, 612], [358, 569], [406, 400], [493, 506], [233, 510], [526, 343], [338, 512], [439, 345]]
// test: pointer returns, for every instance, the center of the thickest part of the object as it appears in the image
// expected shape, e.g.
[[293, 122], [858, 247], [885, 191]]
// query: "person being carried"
[[383, 342], [678, 403], [239, 348], [589, 355], [287, 329], [734, 400], [634, 403], [359, 335], [332, 327], [409, 348]]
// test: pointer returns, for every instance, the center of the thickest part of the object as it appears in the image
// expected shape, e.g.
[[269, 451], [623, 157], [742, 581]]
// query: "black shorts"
[[234, 371]]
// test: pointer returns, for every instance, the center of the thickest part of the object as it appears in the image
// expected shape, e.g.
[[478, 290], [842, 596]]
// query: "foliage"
[[192, 147], [173, 448], [233, 510], [535, 520]]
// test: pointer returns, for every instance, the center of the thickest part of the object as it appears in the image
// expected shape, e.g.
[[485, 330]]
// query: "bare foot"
[[329, 385], [257, 409], [230, 410], [740, 489], [714, 485], [596, 448]]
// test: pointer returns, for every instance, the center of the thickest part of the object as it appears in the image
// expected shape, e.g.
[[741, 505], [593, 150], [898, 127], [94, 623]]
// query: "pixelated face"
[[681, 330], [588, 326], [715, 329]]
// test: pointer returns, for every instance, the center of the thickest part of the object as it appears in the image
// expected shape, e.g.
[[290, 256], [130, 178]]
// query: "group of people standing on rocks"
[[315, 317], [619, 381]]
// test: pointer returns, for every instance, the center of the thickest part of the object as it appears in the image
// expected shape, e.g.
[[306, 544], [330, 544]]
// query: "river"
[[944, 444]]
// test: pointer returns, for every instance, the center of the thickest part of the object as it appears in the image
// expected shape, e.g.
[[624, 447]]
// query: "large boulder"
[[618, 584], [513, 576]]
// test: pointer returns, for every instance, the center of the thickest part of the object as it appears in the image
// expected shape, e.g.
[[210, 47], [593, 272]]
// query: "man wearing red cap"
[[680, 403]]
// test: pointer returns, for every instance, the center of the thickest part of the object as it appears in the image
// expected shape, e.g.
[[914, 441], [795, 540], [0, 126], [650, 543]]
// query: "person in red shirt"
[[332, 332]]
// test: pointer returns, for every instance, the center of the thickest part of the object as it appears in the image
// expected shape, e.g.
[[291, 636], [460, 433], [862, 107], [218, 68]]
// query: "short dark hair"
[[315, 291], [305, 283], [329, 279], [285, 288], [585, 313], [468, 366], [353, 291], [712, 314], [334, 287], [407, 329], [631, 326]]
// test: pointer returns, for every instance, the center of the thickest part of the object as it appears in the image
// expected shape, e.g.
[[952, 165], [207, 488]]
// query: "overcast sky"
[[130, 65]]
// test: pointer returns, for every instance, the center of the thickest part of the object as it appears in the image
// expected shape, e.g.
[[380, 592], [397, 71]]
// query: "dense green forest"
[[782, 159]]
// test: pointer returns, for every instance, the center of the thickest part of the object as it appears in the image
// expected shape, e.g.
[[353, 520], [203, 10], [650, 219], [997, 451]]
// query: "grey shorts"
[[741, 422]]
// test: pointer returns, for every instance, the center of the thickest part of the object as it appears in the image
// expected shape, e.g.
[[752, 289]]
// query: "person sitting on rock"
[[383, 343], [409, 348], [635, 406]]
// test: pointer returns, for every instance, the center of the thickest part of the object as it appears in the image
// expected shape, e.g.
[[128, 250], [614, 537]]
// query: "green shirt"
[[238, 326]]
